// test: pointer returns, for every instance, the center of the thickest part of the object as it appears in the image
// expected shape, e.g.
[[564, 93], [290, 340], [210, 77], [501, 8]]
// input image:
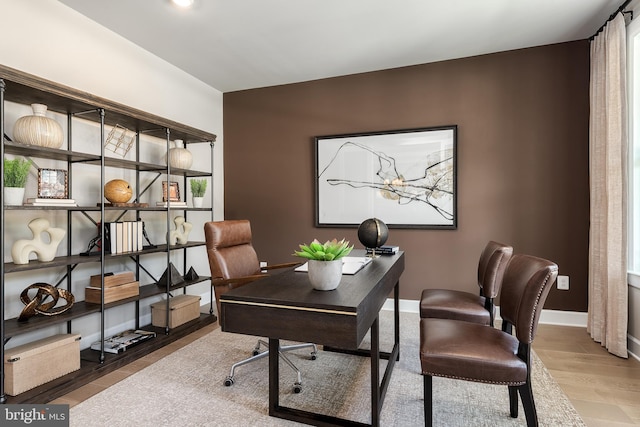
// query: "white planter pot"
[[13, 196], [325, 275], [198, 202]]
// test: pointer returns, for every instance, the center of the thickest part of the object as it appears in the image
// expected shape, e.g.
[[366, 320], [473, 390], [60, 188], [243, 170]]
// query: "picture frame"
[[407, 178], [174, 191], [53, 183]]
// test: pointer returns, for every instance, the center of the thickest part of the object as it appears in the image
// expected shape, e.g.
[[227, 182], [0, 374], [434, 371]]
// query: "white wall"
[[50, 40]]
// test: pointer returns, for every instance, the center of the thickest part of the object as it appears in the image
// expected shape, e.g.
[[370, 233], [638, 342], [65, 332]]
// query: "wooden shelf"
[[91, 368]]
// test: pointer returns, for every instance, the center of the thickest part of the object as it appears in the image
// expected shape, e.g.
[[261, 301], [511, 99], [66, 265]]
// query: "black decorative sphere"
[[373, 233]]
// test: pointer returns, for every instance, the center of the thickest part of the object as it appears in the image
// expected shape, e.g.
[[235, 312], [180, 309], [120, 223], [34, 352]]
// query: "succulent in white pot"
[[325, 262]]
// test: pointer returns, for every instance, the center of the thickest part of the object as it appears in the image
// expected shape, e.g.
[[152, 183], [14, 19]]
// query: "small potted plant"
[[16, 172], [325, 262], [198, 188]]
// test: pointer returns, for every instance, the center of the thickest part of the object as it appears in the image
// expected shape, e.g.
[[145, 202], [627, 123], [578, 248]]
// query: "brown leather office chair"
[[452, 304], [473, 352], [233, 262]]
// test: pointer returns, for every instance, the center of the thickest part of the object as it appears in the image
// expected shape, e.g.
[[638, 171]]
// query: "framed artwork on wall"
[[52, 184], [406, 178]]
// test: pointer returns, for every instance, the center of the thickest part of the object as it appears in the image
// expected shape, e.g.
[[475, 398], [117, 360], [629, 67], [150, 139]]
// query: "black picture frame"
[[407, 178]]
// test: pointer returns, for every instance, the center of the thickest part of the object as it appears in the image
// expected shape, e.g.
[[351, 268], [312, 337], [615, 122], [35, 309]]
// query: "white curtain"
[[608, 148]]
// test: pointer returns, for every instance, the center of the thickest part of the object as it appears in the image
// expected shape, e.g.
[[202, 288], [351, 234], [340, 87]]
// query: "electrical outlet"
[[563, 283]]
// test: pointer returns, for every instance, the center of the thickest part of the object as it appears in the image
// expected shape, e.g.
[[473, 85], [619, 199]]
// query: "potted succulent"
[[16, 172], [198, 188], [325, 262]]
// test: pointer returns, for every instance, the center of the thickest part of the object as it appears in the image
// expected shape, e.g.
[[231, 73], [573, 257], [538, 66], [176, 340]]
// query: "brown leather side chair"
[[473, 352], [234, 262], [452, 304]]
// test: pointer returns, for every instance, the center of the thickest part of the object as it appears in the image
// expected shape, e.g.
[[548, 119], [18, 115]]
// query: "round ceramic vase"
[[325, 275], [179, 157], [38, 129]]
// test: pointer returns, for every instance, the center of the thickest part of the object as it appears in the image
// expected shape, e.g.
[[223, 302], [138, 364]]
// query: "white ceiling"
[[242, 44]]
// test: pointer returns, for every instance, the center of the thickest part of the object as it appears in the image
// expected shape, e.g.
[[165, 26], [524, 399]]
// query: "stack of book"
[[384, 250], [123, 236], [177, 204], [123, 341], [37, 201]]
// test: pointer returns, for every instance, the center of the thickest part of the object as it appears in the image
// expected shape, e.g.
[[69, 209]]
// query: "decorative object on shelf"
[[22, 248], [175, 277], [181, 234], [179, 157], [182, 309], [198, 188], [123, 341], [38, 129], [118, 191], [325, 263], [373, 233], [120, 140], [52, 184], [170, 191], [146, 237], [191, 274], [16, 172], [39, 304]]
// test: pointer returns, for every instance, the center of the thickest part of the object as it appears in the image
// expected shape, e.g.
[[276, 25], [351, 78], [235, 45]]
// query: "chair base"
[[257, 355]]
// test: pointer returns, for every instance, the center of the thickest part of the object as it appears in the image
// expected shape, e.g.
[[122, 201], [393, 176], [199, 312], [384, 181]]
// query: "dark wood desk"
[[285, 306]]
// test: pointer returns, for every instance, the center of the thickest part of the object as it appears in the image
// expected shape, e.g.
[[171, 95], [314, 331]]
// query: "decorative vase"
[[325, 275], [198, 202], [38, 129], [179, 157], [13, 196]]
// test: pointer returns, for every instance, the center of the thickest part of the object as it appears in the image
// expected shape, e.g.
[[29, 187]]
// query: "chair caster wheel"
[[314, 356], [255, 352], [297, 388], [228, 381]]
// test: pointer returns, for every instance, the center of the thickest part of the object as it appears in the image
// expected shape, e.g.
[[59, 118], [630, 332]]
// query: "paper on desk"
[[350, 264]]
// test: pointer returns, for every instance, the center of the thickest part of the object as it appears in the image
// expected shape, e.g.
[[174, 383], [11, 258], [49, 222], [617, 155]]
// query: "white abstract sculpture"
[[181, 233], [22, 248]]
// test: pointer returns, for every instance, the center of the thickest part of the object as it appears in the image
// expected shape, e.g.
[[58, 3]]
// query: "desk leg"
[[375, 373], [274, 375]]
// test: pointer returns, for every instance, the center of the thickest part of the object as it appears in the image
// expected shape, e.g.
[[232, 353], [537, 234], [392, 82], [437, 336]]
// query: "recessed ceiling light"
[[183, 3]]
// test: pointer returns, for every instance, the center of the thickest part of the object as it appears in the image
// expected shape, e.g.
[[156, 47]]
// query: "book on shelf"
[[172, 204], [385, 250], [124, 340], [37, 201], [123, 236]]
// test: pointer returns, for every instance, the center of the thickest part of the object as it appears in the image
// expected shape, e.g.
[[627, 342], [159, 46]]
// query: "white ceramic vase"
[[38, 129], [179, 157], [325, 275], [198, 201], [13, 196]]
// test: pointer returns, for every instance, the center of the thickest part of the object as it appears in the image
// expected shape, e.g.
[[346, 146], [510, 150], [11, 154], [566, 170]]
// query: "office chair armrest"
[[236, 281], [284, 265]]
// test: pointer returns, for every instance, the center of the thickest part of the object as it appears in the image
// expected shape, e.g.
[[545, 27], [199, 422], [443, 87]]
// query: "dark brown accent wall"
[[523, 122]]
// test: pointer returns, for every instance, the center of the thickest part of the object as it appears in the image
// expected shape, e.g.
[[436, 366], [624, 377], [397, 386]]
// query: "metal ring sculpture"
[[37, 305]]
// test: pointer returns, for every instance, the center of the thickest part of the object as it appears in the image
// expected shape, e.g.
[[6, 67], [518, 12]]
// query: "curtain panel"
[[608, 153]]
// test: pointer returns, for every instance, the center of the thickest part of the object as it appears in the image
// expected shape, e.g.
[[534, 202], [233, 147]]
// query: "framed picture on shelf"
[[406, 177], [170, 191], [52, 184]]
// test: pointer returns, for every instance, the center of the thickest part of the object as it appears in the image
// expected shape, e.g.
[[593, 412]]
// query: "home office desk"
[[285, 306]]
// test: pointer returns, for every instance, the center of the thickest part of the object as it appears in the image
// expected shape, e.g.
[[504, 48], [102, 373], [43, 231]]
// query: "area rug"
[[186, 388]]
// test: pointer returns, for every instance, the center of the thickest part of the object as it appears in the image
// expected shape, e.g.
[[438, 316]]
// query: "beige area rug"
[[186, 389]]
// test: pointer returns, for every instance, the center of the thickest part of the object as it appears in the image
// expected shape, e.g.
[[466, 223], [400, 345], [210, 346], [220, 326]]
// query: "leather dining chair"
[[467, 306], [234, 262], [473, 352]]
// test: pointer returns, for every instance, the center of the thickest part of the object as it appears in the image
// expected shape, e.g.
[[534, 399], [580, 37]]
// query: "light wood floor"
[[604, 389]]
